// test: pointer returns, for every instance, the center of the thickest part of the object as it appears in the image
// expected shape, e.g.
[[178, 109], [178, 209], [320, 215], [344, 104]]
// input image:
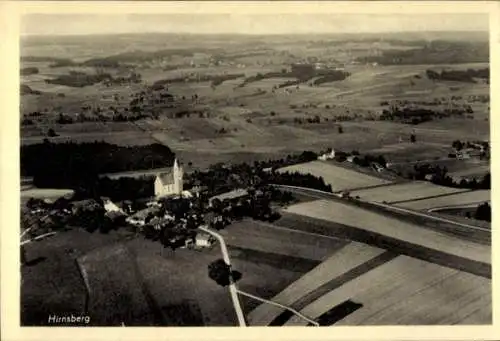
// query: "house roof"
[[230, 195], [203, 236], [144, 213]]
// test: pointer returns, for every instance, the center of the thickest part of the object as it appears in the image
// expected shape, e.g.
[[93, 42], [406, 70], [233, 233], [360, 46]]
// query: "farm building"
[[327, 156], [139, 218], [235, 194], [170, 182], [110, 206], [204, 240]]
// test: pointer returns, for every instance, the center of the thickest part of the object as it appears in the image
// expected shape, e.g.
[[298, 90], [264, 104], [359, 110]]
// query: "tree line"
[[459, 75]]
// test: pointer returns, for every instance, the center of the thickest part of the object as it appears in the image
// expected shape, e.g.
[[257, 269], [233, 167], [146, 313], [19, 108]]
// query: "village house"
[[139, 218], [110, 206], [201, 240], [351, 158], [377, 167]]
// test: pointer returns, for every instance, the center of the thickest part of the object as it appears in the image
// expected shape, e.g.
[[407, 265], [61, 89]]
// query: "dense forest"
[[72, 165], [434, 52], [26, 90]]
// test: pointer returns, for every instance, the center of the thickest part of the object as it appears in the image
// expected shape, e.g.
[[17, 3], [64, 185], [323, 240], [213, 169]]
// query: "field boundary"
[[430, 197], [336, 282], [329, 228]]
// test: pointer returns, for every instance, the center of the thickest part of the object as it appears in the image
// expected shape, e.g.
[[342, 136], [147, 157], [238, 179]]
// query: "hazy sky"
[[62, 24]]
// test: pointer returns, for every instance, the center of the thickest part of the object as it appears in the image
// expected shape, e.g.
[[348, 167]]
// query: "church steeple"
[[178, 175]]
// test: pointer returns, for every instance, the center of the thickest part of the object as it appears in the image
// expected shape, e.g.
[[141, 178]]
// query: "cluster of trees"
[[220, 178], [79, 80], [196, 78], [420, 115], [367, 160], [317, 119], [134, 78], [483, 212], [125, 188], [65, 212], [332, 76], [138, 56], [72, 165], [222, 273], [26, 71], [439, 176], [459, 145], [459, 75], [256, 205], [297, 179]]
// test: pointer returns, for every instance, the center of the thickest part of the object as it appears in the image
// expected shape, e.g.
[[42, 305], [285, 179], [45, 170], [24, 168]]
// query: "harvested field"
[[45, 193], [464, 198], [407, 232], [400, 152], [405, 192], [277, 240], [338, 177], [117, 292], [341, 261], [407, 291]]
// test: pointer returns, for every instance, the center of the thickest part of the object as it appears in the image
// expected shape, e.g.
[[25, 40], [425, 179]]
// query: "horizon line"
[[247, 34]]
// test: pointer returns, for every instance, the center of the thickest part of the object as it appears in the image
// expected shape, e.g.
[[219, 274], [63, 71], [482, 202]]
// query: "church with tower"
[[169, 183]]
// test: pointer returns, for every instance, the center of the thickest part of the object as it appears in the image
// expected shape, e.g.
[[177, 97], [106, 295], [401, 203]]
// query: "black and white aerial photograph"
[[251, 169]]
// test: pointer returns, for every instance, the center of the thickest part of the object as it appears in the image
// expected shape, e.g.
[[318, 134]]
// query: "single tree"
[[51, 133]]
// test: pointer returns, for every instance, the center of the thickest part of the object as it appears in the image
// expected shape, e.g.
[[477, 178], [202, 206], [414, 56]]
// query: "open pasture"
[[52, 282], [378, 223], [390, 293], [44, 193], [400, 152], [462, 198], [410, 191], [338, 177], [184, 272]]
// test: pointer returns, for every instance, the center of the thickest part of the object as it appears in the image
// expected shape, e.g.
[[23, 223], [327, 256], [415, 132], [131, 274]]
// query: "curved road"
[[232, 286]]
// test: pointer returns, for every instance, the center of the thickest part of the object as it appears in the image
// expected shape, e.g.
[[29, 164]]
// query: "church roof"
[[166, 178]]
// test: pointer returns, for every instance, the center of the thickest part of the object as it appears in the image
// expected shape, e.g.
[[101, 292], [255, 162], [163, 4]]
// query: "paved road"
[[326, 195], [232, 286]]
